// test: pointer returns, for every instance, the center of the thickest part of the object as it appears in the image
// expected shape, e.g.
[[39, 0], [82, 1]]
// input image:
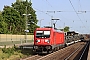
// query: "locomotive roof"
[[44, 28], [49, 29]]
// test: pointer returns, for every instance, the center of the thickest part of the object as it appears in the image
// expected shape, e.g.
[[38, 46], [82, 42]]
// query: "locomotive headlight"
[[37, 41], [48, 41]]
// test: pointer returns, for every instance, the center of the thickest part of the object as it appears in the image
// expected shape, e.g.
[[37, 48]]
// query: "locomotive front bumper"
[[42, 48]]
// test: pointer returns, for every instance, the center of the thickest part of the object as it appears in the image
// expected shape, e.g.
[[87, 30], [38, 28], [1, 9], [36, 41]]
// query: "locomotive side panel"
[[52, 37], [59, 38]]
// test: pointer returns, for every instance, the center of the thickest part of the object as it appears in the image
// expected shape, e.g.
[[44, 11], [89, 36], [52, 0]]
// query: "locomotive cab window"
[[42, 34]]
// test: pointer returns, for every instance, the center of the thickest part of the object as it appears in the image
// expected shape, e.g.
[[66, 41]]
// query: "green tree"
[[3, 25], [25, 7], [12, 18], [66, 29]]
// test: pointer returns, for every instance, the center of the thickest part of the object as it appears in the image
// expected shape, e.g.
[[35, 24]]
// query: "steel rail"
[[84, 51], [72, 53]]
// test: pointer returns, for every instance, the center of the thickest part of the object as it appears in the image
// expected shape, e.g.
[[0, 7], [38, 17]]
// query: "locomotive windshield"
[[42, 34]]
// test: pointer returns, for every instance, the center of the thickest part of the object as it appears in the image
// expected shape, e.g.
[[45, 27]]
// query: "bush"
[[9, 51]]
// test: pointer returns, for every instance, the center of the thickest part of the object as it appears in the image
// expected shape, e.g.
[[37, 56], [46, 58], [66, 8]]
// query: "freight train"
[[48, 39]]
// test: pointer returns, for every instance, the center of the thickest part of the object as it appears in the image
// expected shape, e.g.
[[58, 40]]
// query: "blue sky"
[[72, 13]]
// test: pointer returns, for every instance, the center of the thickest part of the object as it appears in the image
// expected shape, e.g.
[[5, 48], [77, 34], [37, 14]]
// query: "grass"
[[18, 53]]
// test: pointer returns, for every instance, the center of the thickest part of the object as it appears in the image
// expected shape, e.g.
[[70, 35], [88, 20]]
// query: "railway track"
[[65, 54], [32, 57], [74, 53], [68, 53]]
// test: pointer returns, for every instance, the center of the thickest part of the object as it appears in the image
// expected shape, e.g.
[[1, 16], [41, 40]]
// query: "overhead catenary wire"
[[49, 4], [82, 12], [46, 12], [42, 12], [51, 16], [76, 12]]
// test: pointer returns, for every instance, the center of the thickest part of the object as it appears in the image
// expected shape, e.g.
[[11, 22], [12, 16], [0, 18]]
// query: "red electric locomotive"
[[47, 39]]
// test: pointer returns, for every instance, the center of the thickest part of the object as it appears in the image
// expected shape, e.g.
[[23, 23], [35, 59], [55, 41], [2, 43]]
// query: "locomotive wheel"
[[50, 52], [58, 47], [54, 50], [65, 45]]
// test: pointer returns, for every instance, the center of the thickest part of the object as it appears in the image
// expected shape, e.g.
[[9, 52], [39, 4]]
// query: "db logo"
[[42, 41]]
